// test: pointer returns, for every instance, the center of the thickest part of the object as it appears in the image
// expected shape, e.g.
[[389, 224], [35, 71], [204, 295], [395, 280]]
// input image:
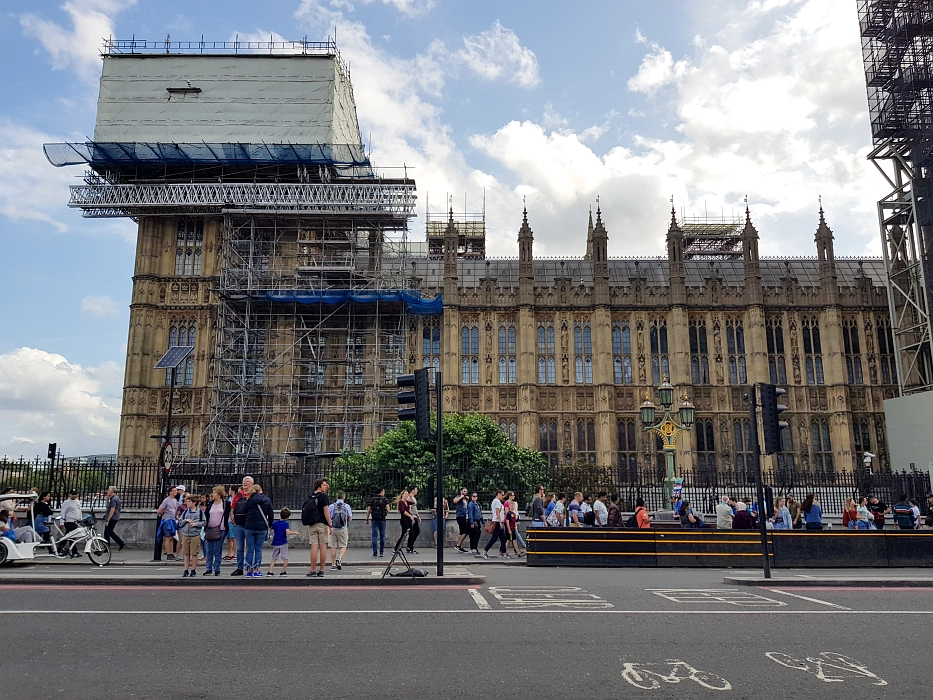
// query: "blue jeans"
[[497, 534], [378, 528], [254, 541], [239, 534], [213, 550]]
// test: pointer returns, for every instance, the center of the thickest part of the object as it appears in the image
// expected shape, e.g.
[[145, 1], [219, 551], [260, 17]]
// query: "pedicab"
[[62, 545]]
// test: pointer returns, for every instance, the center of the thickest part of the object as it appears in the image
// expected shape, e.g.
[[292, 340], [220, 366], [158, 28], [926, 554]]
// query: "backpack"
[[631, 522], [339, 518], [310, 513], [589, 517]]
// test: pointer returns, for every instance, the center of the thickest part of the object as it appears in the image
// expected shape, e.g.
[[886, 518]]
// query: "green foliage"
[[477, 455]]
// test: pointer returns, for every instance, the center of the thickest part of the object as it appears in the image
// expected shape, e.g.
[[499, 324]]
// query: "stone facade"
[[562, 352]]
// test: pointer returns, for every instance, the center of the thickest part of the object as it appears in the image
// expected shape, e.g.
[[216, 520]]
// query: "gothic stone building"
[[562, 352]]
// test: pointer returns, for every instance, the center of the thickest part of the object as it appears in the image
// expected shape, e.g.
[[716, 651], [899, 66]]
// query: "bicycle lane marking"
[[840, 666], [727, 596], [650, 676], [809, 599]]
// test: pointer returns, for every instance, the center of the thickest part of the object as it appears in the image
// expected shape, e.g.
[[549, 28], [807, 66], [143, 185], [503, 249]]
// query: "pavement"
[[542, 633]]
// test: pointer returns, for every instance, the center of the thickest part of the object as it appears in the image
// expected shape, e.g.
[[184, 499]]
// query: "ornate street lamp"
[[668, 427]]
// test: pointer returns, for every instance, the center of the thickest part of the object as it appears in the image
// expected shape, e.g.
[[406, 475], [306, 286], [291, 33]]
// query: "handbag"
[[489, 527], [212, 534]]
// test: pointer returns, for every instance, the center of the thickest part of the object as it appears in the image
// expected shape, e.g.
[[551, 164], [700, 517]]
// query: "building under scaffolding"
[[266, 240]]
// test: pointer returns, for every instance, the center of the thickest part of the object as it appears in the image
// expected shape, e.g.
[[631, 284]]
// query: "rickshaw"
[[83, 539]]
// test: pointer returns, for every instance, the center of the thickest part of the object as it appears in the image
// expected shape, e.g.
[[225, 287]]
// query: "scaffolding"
[[708, 238], [897, 48], [314, 289], [305, 378], [471, 233]]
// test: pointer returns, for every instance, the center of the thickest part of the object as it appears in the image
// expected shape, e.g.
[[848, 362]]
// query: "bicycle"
[[643, 676]]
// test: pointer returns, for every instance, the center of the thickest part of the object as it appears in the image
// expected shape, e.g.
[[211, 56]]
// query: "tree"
[[477, 455]]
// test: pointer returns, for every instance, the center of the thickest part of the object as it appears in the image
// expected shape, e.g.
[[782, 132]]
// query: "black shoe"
[[411, 551], [206, 573], [237, 572], [216, 573], [170, 557], [320, 574], [186, 573], [339, 567], [120, 548], [311, 574]]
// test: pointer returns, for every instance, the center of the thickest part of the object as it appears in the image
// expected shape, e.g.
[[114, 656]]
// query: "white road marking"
[[481, 602], [460, 611], [828, 666], [811, 600], [530, 597], [651, 676], [742, 599]]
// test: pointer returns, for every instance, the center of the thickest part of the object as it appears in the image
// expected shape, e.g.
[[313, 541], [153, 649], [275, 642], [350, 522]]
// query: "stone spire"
[[600, 258], [589, 237], [675, 259], [451, 279], [825, 255], [750, 258], [526, 268]]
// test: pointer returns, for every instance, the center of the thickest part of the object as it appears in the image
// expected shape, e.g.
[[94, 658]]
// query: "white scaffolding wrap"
[[152, 98]]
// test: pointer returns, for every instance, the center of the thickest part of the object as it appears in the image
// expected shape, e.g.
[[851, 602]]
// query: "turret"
[[675, 258], [526, 268], [750, 258]]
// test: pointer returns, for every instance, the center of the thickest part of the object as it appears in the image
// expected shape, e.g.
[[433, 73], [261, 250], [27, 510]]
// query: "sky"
[[554, 103]]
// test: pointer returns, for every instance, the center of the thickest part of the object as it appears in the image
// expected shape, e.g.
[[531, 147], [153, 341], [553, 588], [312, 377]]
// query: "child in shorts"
[[191, 522], [280, 534]]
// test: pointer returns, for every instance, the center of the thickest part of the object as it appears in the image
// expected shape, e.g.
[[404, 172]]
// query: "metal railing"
[[288, 483]]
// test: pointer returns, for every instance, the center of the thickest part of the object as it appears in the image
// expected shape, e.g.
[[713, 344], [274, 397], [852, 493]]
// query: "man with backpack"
[[340, 517], [377, 511], [315, 513], [904, 516]]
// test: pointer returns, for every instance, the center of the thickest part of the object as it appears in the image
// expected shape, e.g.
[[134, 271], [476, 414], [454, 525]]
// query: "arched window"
[[547, 366], [628, 451], [188, 243], [582, 350], [507, 363], [469, 354], [822, 446]]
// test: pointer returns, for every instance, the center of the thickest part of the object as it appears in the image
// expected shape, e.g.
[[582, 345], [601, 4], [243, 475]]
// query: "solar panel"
[[174, 356]]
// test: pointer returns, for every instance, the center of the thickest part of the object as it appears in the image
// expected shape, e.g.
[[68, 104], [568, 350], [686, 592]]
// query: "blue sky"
[[556, 102]]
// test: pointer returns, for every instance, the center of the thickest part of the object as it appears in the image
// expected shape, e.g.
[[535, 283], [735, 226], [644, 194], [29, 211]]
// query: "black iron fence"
[[288, 483]]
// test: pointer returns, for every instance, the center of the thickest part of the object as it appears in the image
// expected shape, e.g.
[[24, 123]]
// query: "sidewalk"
[[300, 559], [853, 580]]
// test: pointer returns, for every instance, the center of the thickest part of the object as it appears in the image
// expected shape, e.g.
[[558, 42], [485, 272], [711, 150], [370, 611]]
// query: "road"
[[526, 633]]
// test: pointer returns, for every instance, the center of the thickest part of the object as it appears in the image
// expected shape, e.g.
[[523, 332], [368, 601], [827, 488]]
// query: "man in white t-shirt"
[[601, 510], [498, 519]]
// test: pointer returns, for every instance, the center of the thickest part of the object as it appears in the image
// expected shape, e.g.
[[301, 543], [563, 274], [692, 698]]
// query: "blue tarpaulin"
[[417, 305]]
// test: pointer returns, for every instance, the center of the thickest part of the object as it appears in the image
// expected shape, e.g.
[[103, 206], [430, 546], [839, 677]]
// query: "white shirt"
[[498, 513], [916, 511], [71, 511], [602, 513]]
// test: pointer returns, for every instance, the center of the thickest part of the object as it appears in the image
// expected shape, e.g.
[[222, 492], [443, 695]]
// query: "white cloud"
[[657, 70], [497, 53], [44, 398], [77, 47], [30, 188], [412, 8], [750, 116], [102, 306]]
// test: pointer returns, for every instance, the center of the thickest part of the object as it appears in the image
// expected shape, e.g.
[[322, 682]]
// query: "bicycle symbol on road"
[[828, 666], [650, 676]]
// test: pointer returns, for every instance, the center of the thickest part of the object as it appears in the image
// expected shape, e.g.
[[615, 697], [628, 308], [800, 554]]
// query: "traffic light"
[[418, 393], [53, 448], [771, 424]]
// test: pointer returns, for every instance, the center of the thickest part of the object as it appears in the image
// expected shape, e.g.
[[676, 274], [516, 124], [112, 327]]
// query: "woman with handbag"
[[218, 516], [405, 518], [259, 519]]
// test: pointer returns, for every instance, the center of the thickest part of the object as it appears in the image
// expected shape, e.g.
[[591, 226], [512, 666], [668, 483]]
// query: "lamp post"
[[668, 427]]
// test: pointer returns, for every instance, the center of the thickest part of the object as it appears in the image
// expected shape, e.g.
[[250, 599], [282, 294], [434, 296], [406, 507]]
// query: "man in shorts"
[[319, 527], [340, 517]]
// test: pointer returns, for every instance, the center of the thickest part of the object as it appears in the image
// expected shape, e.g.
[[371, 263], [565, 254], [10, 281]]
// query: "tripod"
[[399, 553]]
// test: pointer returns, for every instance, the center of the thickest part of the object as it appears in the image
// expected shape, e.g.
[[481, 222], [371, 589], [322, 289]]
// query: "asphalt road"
[[527, 633]]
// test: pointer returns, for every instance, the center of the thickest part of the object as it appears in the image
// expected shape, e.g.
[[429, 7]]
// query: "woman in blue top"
[[475, 516], [812, 513]]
